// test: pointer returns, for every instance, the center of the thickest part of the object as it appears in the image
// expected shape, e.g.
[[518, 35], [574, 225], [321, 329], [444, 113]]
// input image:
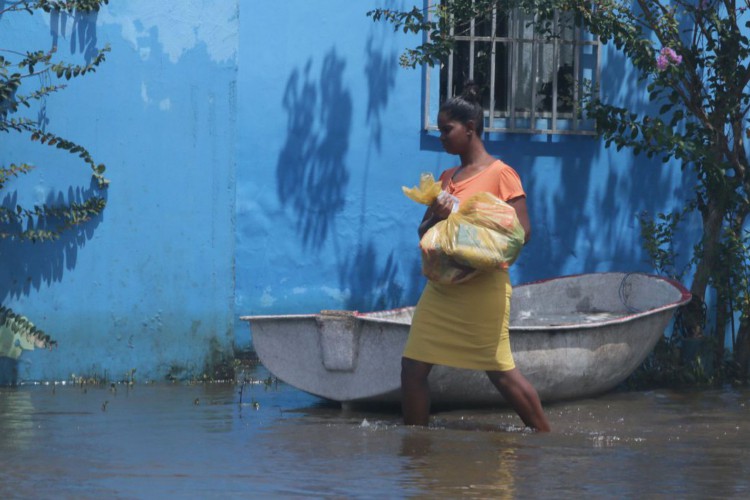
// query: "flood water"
[[198, 441]]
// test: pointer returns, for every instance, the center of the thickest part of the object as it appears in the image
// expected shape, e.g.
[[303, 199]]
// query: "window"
[[532, 83]]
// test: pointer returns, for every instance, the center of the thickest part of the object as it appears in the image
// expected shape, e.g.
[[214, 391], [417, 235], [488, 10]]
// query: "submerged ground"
[[208, 440]]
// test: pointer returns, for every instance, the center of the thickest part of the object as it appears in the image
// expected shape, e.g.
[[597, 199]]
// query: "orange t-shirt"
[[498, 179]]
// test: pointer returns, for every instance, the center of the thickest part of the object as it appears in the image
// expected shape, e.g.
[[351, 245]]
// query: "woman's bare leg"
[[522, 396], [415, 391]]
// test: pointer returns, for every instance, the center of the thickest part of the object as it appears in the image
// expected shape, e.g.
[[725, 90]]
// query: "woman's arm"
[[519, 204]]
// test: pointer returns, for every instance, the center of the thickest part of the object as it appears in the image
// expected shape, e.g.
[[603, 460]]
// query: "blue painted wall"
[[149, 285], [330, 129], [257, 152]]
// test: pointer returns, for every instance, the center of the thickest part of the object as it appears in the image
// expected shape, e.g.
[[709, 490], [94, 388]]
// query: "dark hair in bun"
[[467, 106]]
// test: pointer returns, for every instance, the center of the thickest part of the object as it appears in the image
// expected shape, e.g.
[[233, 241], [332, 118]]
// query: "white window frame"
[[586, 63]]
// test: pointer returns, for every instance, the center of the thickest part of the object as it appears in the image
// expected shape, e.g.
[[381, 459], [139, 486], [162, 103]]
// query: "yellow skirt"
[[464, 325]]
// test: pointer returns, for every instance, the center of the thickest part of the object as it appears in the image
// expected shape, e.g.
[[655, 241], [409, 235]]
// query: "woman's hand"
[[440, 209], [443, 205]]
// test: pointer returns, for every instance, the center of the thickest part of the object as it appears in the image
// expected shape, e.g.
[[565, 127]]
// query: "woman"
[[465, 325]]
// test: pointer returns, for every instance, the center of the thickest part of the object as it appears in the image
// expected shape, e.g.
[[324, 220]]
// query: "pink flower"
[[666, 57], [661, 63]]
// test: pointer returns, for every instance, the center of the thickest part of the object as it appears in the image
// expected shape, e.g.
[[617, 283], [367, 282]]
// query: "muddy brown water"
[[198, 441]]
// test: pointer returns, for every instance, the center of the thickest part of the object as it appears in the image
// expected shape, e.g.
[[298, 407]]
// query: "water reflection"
[[449, 465], [16, 426]]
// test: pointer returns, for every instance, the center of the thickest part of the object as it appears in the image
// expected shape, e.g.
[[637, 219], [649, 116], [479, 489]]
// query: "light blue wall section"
[[330, 129], [149, 285]]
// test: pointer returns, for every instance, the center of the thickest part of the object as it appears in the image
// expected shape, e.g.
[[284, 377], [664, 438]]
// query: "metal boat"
[[572, 337]]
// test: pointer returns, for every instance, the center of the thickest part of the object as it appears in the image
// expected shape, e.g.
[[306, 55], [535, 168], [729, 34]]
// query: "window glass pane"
[[463, 29], [523, 26], [566, 27], [461, 66], [501, 25], [482, 70], [483, 25], [545, 77], [566, 80], [523, 83], [502, 77]]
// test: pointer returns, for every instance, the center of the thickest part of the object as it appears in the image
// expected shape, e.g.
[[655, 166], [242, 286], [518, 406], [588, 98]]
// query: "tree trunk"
[[742, 349], [693, 312], [723, 312]]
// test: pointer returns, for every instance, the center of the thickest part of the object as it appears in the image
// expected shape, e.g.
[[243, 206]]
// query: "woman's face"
[[454, 135]]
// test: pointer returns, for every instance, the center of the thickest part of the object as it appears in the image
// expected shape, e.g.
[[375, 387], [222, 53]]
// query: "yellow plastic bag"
[[427, 191], [441, 268], [484, 234]]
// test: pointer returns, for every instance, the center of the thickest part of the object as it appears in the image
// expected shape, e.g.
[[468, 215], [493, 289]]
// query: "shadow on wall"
[[8, 367], [83, 38], [374, 285], [585, 219], [28, 265], [380, 71], [312, 177], [82, 33]]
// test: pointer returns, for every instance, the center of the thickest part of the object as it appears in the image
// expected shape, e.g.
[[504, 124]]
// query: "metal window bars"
[[534, 83]]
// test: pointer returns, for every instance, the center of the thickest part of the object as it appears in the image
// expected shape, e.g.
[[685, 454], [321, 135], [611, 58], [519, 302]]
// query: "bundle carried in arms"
[[482, 234]]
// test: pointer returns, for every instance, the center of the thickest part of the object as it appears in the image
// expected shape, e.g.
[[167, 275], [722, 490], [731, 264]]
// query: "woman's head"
[[461, 121], [466, 107]]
